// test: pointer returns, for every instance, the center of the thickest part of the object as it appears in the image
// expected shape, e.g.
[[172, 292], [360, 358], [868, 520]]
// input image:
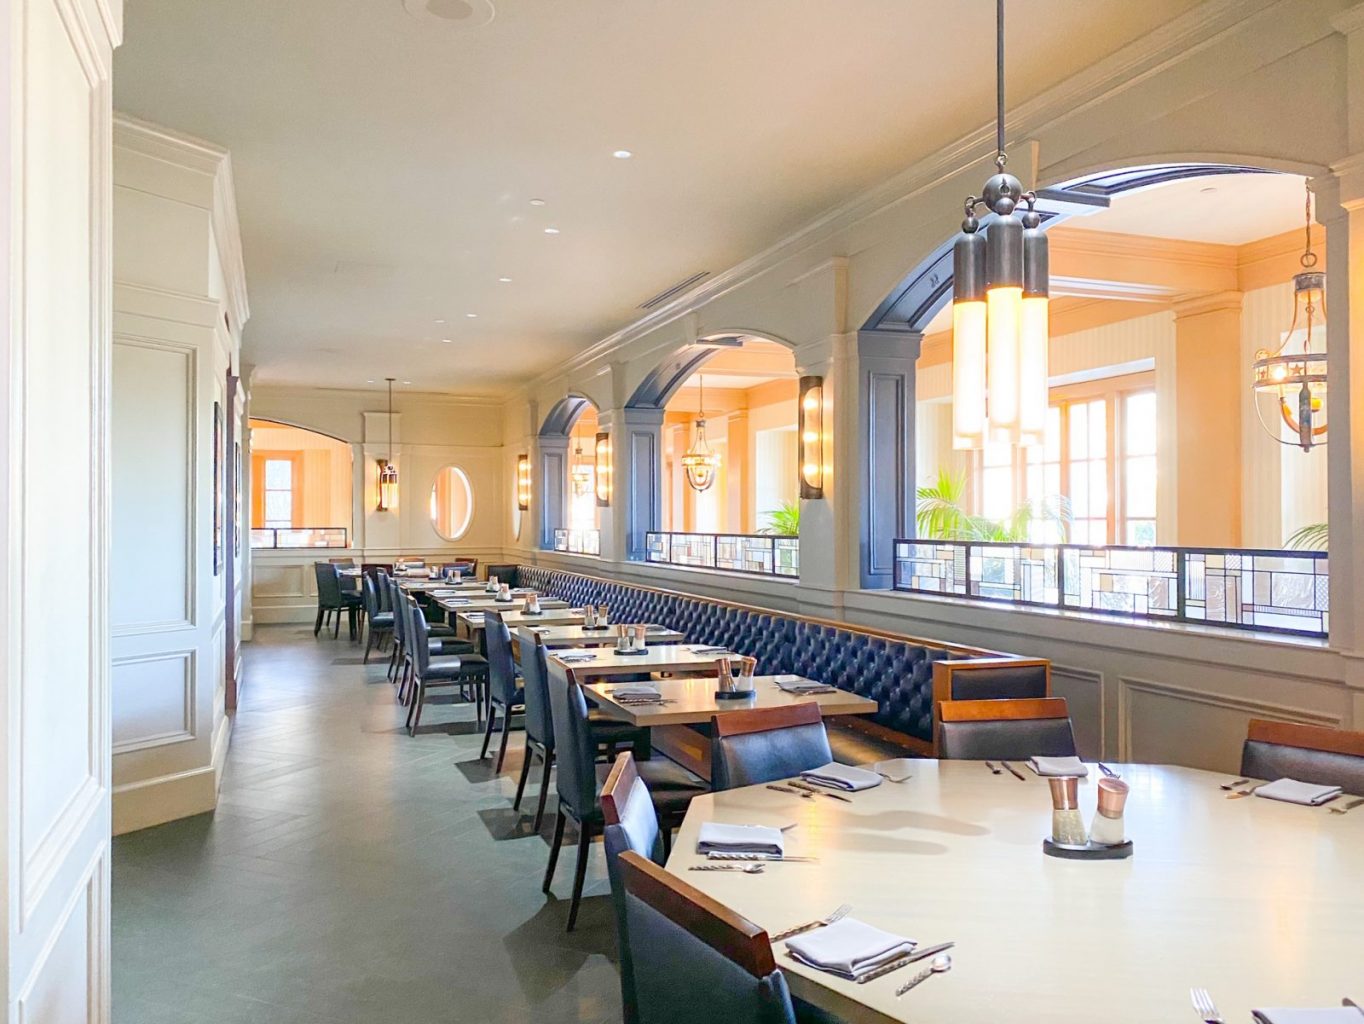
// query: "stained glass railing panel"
[[303, 537], [578, 542], [1279, 591], [754, 554]]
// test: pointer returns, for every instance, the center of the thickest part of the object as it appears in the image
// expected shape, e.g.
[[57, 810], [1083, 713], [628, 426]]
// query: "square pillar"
[[550, 486], [637, 480]]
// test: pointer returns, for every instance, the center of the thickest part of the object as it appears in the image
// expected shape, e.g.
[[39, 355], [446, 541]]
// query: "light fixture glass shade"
[[968, 374], [1033, 344], [1004, 316], [523, 482], [602, 455], [810, 425], [388, 486], [700, 464], [581, 473]]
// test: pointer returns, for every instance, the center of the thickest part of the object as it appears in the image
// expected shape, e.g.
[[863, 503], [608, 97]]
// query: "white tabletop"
[[514, 616], [481, 602], [663, 658], [694, 701], [1260, 902]]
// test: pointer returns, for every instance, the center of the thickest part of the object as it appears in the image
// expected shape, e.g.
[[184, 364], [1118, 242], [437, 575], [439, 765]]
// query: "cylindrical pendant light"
[[968, 342], [1034, 339], [388, 472]]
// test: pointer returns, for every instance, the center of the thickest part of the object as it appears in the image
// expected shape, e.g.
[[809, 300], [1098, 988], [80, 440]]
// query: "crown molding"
[[1349, 21], [1178, 41], [315, 392], [195, 154]]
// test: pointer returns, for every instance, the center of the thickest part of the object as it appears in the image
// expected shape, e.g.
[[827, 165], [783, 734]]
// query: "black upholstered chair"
[[506, 573], [458, 671], [441, 639], [332, 600], [752, 747], [504, 688], [693, 958], [1307, 753], [579, 781], [607, 734], [1004, 730], [631, 825], [380, 622]]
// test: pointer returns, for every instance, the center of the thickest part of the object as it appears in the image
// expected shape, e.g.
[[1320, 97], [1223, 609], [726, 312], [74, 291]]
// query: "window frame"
[[258, 461]]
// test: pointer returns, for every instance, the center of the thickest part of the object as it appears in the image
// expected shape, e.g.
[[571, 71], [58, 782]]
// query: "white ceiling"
[[1226, 209], [385, 163]]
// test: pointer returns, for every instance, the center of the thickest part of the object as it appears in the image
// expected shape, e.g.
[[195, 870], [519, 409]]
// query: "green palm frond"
[[783, 521], [1309, 538]]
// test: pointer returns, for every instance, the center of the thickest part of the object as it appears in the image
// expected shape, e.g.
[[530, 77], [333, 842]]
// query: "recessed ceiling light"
[[472, 316], [441, 321], [407, 382], [551, 231], [622, 154], [448, 341], [369, 382], [537, 202], [504, 280]]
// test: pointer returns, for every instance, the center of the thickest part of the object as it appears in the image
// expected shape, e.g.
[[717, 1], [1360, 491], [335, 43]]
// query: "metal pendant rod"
[[999, 84]]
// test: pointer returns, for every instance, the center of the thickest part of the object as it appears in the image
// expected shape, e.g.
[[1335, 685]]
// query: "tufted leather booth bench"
[[895, 671]]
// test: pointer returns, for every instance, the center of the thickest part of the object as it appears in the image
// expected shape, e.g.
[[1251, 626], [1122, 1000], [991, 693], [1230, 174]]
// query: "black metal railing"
[[758, 554], [301, 537], [1241, 588]]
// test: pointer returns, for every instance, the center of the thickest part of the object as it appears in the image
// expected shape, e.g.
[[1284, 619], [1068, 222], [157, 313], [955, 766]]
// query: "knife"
[[899, 962], [1012, 771]]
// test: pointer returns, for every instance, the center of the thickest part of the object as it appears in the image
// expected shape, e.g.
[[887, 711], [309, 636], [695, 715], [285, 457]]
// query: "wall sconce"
[[388, 486], [810, 426], [602, 452], [523, 482]]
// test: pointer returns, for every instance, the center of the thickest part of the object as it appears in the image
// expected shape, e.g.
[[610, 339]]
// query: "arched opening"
[[301, 487], [570, 513], [1162, 297]]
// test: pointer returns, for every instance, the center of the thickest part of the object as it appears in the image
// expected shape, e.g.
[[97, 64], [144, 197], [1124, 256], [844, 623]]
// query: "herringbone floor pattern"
[[351, 873]]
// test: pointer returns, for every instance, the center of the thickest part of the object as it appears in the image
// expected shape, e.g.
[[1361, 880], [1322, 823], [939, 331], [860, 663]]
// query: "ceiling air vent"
[[675, 290]]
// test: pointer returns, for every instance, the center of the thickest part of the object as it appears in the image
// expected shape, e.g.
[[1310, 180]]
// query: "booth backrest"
[[896, 672]]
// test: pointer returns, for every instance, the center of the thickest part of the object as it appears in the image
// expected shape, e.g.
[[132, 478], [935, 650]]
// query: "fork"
[[1245, 792], [809, 926], [1348, 807], [1233, 785], [1204, 1006]]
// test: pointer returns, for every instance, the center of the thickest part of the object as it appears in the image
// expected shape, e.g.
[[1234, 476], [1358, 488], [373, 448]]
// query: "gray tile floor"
[[351, 873]]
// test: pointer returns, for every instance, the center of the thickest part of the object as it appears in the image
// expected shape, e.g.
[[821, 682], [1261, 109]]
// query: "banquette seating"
[[895, 671]]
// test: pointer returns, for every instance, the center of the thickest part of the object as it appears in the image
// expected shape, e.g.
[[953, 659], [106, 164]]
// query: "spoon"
[[748, 869], [937, 965]]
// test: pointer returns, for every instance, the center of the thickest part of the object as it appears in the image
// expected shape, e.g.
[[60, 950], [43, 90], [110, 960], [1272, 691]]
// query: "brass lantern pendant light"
[[700, 463], [1000, 319], [1294, 373], [581, 473], [388, 473]]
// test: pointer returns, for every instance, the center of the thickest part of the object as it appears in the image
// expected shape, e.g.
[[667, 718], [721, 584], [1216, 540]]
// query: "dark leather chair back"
[[991, 678], [574, 751], [399, 602], [698, 960], [328, 585], [535, 695], [752, 747], [371, 598], [385, 589], [1308, 753], [1004, 730], [501, 665], [505, 573], [631, 825], [421, 637]]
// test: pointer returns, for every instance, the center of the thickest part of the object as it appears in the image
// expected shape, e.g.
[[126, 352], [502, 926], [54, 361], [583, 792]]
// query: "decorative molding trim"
[[89, 890], [1093, 678], [41, 866], [1127, 685], [188, 700]]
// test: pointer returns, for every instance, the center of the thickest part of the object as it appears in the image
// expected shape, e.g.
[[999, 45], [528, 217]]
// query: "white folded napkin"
[[1326, 1015], [1059, 767], [578, 656], [635, 690], [842, 776], [1295, 792], [739, 839], [653, 628], [797, 685], [849, 948], [704, 649], [457, 600]]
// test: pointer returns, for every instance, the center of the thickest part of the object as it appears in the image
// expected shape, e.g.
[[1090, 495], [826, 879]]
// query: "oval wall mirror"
[[452, 503]]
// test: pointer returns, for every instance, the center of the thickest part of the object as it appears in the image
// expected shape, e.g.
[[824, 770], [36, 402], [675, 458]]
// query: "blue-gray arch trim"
[[559, 422], [917, 299]]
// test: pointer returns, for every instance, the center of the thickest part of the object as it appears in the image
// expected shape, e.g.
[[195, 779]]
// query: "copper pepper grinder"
[[1067, 824], [1108, 827]]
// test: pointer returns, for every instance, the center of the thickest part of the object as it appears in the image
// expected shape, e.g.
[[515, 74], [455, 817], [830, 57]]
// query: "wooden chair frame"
[[1017, 710], [742, 723], [1306, 737]]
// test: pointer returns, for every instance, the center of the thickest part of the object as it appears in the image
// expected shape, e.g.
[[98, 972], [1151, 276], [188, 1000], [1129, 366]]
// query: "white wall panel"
[[153, 699]]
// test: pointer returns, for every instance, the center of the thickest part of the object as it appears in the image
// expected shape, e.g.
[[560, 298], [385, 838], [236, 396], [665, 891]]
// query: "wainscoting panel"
[[154, 700], [1083, 691]]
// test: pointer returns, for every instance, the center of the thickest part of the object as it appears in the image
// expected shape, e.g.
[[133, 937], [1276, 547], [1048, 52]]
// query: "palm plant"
[[1313, 537], [940, 514], [783, 521]]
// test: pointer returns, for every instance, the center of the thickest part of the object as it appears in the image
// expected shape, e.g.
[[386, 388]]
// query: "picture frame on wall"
[[217, 488], [237, 500]]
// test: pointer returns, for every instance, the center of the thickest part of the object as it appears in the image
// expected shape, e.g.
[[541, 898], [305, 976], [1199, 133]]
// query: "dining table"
[[578, 635], [1260, 902]]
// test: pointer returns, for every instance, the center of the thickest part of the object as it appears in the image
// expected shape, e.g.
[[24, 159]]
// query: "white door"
[[55, 58]]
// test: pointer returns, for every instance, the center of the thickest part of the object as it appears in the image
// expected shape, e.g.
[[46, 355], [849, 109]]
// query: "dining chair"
[[692, 957], [332, 600], [440, 640], [608, 734], [631, 825], [504, 688], [380, 622], [1003, 730], [458, 671], [751, 747], [1307, 753], [579, 781]]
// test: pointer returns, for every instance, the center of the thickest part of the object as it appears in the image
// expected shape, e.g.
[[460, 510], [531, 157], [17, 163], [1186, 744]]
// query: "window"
[[276, 506], [1099, 451]]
